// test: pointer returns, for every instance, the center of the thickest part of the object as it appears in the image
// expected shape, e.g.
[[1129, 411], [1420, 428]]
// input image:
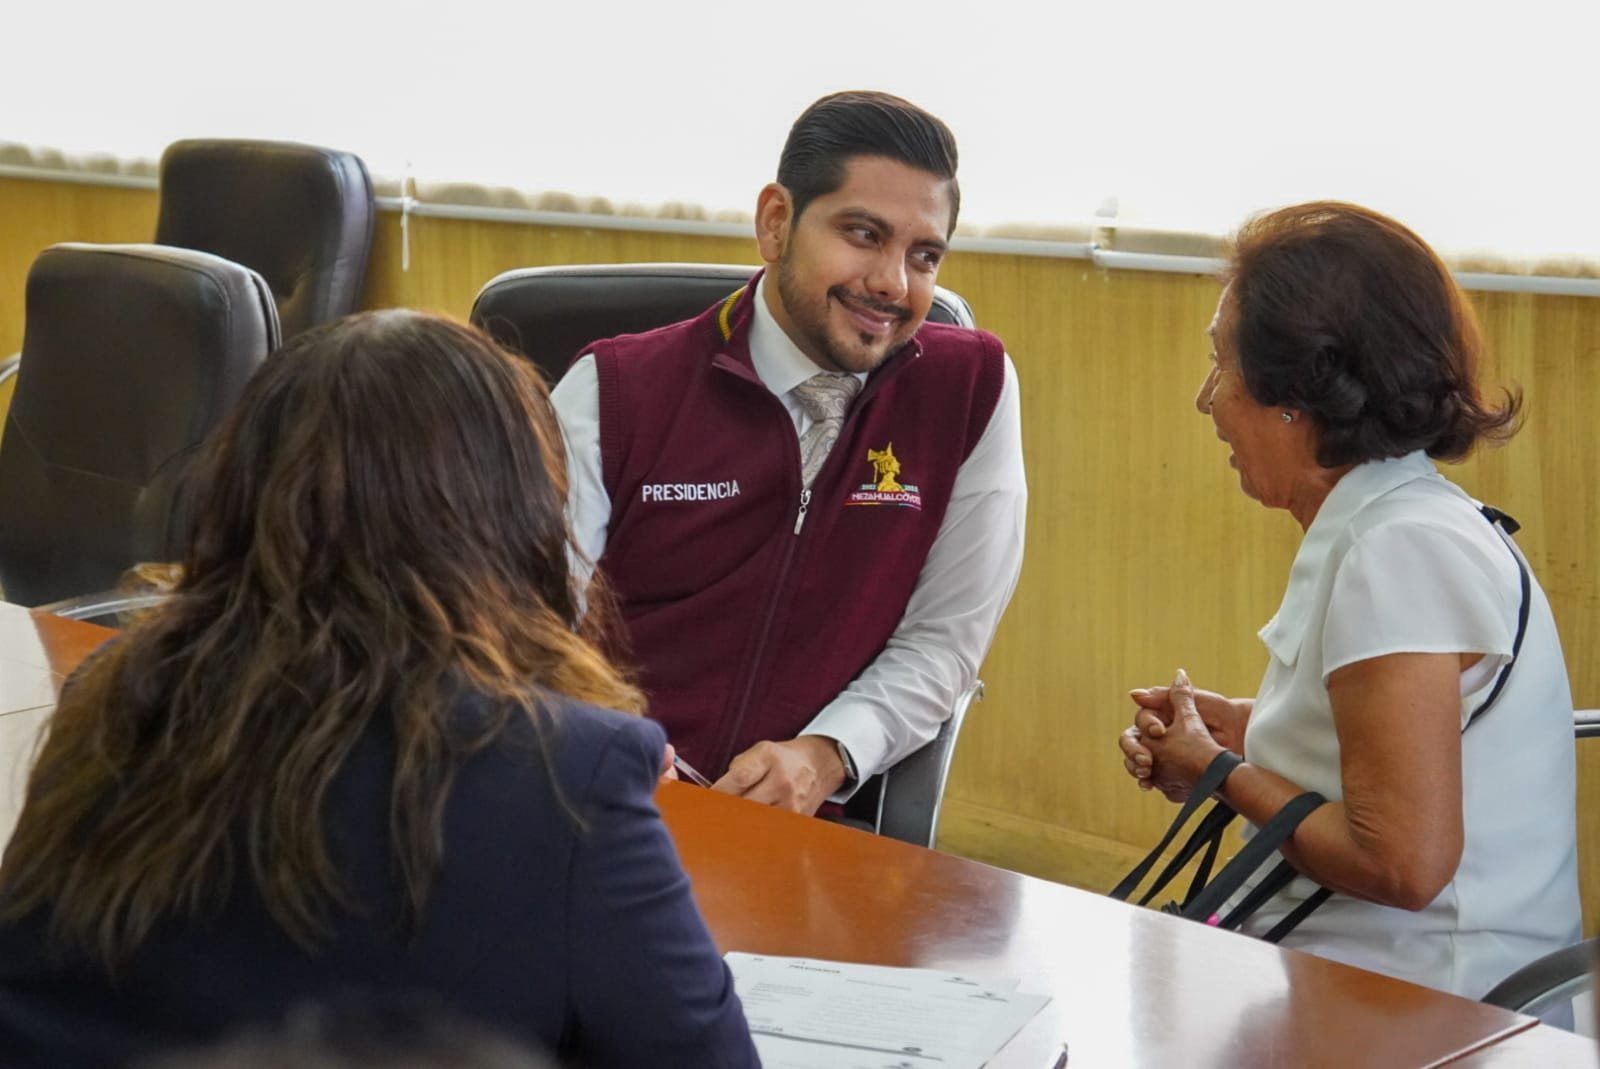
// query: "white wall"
[[1475, 123]]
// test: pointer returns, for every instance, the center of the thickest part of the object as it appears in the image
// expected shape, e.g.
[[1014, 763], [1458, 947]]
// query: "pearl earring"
[[1288, 417]]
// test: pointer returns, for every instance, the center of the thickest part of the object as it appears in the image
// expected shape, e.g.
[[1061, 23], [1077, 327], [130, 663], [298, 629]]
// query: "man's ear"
[[774, 208]]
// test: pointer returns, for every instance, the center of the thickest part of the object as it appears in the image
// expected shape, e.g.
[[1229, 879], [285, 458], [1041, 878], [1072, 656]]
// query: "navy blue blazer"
[[582, 941]]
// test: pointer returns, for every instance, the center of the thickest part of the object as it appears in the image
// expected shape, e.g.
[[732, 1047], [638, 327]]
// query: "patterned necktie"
[[825, 397]]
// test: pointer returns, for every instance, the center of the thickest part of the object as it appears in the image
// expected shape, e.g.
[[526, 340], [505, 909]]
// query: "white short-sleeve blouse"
[[1399, 560]]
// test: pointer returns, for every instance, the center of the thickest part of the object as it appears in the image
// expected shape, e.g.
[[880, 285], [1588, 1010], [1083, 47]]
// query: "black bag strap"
[[1207, 834], [1275, 881], [1262, 845], [1209, 781], [1202, 871], [1505, 526], [1297, 914]]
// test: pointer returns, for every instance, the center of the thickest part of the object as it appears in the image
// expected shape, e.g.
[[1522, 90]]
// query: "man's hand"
[[797, 775]]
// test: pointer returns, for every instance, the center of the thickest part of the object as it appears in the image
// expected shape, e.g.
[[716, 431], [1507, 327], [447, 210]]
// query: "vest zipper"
[[757, 662], [766, 627]]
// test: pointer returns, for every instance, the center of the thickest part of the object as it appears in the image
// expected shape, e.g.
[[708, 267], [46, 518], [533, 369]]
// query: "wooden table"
[[1129, 987], [1540, 1047]]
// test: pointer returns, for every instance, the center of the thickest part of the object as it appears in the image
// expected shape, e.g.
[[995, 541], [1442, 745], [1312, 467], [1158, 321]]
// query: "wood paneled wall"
[[1142, 556], [36, 215]]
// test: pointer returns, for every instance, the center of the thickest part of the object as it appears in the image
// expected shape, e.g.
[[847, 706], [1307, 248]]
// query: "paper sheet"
[[806, 1014], [779, 1053]]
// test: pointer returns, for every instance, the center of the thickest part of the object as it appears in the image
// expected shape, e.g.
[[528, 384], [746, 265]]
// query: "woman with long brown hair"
[[367, 746]]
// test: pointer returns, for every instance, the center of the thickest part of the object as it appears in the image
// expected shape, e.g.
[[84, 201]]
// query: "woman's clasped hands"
[[1177, 731]]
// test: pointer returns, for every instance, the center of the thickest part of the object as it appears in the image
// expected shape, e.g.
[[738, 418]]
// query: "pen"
[[1061, 1059], [687, 771]]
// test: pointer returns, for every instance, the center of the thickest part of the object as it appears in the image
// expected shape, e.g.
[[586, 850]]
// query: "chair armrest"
[[1586, 723], [913, 790], [1555, 978], [105, 603]]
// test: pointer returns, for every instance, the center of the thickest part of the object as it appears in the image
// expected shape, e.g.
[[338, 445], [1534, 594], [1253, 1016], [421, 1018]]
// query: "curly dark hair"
[[1350, 317]]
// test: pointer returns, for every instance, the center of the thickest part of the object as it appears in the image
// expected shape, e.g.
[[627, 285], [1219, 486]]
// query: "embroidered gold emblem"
[[885, 467], [887, 489]]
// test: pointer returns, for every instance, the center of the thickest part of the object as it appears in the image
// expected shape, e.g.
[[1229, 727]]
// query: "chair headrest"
[[550, 313], [299, 215], [132, 352]]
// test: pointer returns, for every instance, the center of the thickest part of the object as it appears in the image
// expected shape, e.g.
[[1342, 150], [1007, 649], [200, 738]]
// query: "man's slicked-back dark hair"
[[842, 126]]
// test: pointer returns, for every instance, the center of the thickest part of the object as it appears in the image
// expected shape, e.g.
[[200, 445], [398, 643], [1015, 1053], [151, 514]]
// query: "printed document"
[[806, 1014]]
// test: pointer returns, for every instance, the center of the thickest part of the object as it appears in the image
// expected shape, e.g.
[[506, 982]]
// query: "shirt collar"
[[1360, 485], [778, 361]]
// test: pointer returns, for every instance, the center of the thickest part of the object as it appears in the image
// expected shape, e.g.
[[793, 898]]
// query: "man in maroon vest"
[[808, 501]]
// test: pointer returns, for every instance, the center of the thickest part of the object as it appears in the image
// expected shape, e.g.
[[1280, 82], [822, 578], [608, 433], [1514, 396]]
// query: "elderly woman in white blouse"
[[1345, 361]]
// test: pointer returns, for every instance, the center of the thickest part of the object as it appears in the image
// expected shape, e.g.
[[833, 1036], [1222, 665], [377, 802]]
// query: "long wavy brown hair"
[[379, 527]]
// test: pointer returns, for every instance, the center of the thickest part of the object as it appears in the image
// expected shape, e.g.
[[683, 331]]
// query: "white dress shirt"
[[899, 700], [1398, 560]]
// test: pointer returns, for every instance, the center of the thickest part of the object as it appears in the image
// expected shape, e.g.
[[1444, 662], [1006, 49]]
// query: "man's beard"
[[812, 322]]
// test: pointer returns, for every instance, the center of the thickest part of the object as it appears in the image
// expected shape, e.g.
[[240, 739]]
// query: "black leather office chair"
[[130, 354], [1558, 977], [550, 313], [299, 216]]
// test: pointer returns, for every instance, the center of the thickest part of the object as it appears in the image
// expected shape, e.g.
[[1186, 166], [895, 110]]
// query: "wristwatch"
[[850, 774]]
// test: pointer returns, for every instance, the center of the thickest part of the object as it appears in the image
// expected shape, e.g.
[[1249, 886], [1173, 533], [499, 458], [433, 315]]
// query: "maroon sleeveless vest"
[[748, 604]]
